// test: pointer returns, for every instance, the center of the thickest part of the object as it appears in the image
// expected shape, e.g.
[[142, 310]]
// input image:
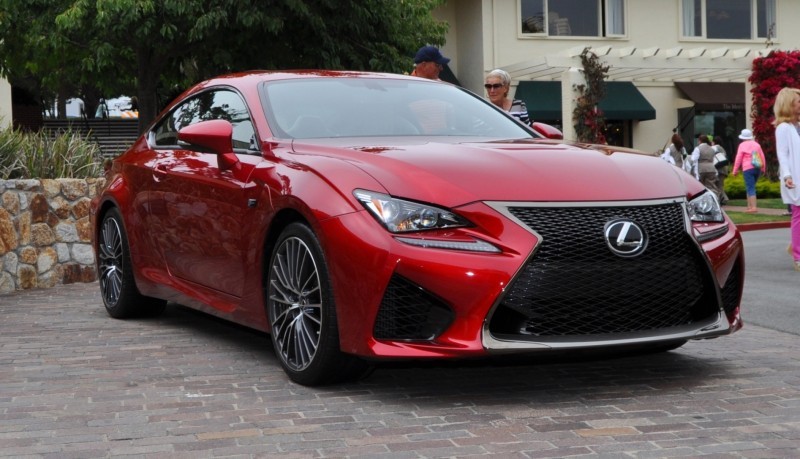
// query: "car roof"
[[257, 76]]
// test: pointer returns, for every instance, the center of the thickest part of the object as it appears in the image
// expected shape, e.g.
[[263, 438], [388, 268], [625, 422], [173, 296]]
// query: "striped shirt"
[[520, 111]]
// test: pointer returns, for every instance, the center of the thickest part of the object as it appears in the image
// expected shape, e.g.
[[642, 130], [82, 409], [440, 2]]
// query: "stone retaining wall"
[[45, 233]]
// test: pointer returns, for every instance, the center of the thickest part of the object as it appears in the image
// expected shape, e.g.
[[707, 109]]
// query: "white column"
[[748, 105], [5, 103], [569, 79]]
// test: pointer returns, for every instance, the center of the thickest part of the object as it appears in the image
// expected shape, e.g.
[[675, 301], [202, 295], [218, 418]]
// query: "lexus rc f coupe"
[[359, 217]]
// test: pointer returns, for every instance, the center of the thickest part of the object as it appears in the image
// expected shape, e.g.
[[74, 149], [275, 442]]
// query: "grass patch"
[[767, 203], [741, 217]]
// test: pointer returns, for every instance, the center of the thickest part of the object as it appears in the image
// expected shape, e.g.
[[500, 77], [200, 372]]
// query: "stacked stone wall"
[[45, 233]]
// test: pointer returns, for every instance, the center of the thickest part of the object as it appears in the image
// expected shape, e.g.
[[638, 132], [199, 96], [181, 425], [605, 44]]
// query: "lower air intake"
[[409, 312]]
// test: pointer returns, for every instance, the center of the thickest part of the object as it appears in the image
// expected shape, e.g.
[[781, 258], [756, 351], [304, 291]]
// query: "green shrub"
[[38, 155], [765, 188], [10, 146]]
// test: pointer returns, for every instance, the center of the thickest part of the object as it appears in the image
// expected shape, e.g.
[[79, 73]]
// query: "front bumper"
[[555, 284]]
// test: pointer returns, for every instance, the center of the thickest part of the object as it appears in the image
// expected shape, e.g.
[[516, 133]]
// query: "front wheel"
[[302, 313], [114, 268]]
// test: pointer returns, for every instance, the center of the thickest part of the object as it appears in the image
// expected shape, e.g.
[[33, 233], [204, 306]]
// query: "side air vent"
[[731, 296], [409, 312]]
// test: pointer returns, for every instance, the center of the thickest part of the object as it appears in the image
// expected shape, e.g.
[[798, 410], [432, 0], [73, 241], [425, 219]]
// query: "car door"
[[196, 208]]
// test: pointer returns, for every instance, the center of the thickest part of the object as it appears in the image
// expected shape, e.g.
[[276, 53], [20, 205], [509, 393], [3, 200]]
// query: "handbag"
[[755, 160], [720, 159]]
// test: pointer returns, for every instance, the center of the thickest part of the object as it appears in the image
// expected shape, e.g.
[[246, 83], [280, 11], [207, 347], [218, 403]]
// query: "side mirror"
[[215, 135], [549, 132]]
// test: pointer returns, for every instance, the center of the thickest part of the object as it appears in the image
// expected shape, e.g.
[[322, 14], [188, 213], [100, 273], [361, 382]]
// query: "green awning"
[[543, 99], [623, 101]]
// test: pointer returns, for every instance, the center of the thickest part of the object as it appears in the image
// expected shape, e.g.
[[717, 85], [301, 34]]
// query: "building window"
[[728, 19], [577, 18]]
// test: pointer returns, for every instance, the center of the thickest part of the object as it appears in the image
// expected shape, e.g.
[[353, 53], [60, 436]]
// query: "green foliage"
[[36, 155], [10, 146], [765, 188], [154, 49]]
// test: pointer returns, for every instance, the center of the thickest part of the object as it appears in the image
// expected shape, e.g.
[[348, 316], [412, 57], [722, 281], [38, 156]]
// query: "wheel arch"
[[280, 221], [102, 209]]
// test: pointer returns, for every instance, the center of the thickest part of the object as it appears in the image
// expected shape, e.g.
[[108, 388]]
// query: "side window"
[[210, 105], [728, 19], [576, 18]]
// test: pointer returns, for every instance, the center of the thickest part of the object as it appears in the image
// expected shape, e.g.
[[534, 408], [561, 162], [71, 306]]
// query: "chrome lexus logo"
[[625, 238]]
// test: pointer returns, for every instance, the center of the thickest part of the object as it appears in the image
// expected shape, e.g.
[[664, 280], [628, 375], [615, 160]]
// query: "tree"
[[156, 48], [35, 59], [771, 73], [588, 118]]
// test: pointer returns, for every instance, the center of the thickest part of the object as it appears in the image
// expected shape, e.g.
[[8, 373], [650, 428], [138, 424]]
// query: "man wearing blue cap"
[[429, 62]]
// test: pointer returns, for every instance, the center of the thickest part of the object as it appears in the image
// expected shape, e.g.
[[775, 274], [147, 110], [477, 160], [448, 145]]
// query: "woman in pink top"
[[745, 154]]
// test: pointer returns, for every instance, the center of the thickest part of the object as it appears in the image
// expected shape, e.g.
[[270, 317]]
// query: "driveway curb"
[[762, 226]]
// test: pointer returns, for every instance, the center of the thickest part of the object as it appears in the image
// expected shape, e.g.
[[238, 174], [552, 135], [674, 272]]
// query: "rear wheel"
[[302, 313], [117, 286]]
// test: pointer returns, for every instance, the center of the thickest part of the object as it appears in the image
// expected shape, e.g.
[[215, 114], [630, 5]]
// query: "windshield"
[[378, 107]]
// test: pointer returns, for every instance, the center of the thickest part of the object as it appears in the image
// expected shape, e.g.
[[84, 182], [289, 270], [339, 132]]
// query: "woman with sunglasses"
[[497, 84]]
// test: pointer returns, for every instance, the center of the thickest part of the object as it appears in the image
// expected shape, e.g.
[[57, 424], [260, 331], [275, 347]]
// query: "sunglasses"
[[493, 86]]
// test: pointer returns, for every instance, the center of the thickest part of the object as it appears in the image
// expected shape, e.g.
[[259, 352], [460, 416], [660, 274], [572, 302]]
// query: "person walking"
[[721, 164], [675, 152], [787, 147], [750, 160], [703, 157]]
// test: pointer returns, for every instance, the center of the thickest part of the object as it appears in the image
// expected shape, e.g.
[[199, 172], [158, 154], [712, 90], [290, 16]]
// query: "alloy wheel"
[[295, 300], [109, 263]]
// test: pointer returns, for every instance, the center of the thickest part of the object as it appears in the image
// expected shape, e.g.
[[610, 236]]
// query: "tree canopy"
[[154, 49]]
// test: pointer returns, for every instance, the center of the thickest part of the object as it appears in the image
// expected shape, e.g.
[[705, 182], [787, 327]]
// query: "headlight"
[[705, 208], [400, 216]]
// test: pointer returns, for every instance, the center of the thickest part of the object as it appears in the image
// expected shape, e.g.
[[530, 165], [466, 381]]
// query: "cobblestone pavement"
[[76, 383]]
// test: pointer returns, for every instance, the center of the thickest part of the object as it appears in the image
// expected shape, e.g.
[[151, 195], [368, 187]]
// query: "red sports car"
[[358, 217]]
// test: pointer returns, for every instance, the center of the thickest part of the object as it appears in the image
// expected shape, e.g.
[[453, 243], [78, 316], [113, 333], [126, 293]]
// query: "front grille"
[[575, 286], [408, 312]]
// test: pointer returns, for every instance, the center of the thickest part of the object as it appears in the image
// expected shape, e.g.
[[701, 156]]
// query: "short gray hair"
[[505, 78]]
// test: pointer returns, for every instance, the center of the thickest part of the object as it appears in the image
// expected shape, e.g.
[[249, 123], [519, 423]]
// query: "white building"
[[673, 63]]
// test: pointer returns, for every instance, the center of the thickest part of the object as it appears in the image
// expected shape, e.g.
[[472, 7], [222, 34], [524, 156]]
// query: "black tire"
[[302, 313], [114, 269]]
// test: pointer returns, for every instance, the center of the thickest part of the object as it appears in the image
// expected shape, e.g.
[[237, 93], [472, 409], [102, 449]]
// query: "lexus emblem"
[[625, 238]]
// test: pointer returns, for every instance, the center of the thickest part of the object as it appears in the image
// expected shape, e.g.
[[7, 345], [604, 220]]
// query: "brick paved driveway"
[[75, 383]]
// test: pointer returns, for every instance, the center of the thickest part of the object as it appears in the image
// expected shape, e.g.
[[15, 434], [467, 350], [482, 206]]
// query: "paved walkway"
[[75, 383]]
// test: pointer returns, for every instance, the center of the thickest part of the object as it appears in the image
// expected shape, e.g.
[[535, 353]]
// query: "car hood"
[[455, 173]]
